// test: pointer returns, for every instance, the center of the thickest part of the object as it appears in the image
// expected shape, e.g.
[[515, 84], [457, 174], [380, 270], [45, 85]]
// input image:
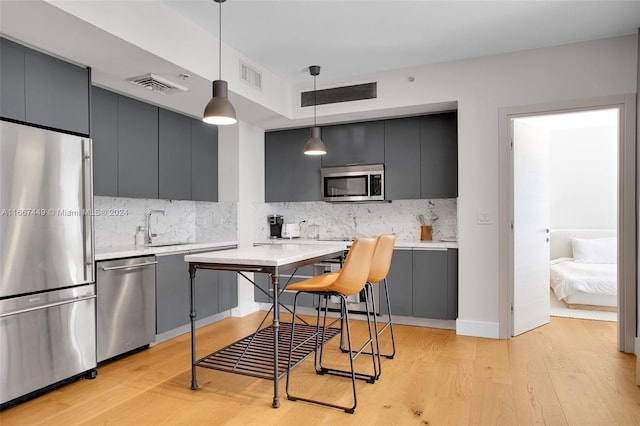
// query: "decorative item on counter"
[[140, 236], [426, 231], [312, 231]]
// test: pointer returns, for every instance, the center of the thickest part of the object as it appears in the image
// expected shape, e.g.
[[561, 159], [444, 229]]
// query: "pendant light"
[[219, 110], [314, 145]]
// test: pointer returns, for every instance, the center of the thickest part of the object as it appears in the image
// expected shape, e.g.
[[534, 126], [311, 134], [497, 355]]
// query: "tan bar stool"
[[380, 265], [350, 280]]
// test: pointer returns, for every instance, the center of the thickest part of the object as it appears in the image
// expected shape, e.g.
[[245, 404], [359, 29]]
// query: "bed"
[[583, 268]]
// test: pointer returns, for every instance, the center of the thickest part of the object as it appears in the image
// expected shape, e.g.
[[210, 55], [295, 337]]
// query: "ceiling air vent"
[[250, 76], [357, 92], [157, 84]]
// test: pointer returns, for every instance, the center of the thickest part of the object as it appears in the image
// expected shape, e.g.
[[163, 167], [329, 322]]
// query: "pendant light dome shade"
[[219, 110], [314, 145]]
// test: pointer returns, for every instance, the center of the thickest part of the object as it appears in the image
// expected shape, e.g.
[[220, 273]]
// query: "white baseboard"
[[490, 330], [245, 309]]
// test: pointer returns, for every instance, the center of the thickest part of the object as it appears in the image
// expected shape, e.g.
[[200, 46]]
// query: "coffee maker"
[[275, 223]]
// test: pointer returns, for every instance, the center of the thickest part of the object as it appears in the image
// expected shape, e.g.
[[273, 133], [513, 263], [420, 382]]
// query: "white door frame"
[[627, 235]]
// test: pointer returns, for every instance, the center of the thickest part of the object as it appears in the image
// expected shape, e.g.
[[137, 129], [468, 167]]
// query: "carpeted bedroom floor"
[[559, 310]]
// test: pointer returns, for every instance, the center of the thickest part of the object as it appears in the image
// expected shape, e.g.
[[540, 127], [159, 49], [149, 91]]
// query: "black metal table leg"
[[276, 331], [192, 317]]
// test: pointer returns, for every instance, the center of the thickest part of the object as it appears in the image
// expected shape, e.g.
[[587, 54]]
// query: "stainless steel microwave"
[[353, 183]]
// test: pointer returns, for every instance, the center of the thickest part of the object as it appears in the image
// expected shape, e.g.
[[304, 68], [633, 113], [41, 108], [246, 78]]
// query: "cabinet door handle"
[[135, 265]]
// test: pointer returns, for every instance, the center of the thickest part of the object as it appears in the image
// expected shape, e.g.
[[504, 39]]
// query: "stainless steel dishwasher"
[[126, 305]]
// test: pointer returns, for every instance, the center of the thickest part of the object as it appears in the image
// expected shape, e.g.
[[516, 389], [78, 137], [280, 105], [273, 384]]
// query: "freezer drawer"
[[46, 338], [126, 305]]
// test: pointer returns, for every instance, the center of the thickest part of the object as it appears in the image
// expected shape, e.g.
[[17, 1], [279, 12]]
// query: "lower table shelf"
[[253, 355]]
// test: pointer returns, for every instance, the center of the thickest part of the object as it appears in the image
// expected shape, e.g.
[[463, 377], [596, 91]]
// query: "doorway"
[[627, 304], [565, 186]]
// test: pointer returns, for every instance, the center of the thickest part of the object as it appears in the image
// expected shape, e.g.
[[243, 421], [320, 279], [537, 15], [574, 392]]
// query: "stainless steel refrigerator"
[[47, 289]]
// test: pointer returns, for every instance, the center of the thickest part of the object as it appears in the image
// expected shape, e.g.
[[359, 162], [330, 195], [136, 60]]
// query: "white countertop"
[[268, 254], [106, 253], [399, 244]]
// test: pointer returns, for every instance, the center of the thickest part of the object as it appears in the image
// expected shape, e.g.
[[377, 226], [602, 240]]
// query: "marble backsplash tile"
[[183, 221], [349, 220]]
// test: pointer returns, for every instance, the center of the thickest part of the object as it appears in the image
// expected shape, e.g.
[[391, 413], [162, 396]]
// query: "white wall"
[[584, 185], [481, 87]]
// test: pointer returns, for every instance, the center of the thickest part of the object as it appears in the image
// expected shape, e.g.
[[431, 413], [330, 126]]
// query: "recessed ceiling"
[[352, 38]]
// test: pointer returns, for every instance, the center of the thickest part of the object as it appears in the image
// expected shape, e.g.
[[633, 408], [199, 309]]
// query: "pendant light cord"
[[220, 41], [315, 101]]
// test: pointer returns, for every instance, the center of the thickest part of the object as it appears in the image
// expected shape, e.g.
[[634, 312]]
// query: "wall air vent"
[[250, 76], [157, 84], [357, 92]]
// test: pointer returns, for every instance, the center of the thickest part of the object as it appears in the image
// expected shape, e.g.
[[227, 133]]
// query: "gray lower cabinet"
[[264, 282], [423, 283], [43, 90], [172, 292], [354, 143], [400, 284], [215, 292], [137, 149], [174, 156], [290, 175]]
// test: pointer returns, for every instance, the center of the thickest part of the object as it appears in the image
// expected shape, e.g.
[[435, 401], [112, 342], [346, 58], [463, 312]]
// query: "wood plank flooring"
[[568, 372]]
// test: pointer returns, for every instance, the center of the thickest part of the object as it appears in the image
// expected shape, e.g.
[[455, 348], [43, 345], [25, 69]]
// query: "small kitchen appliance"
[[275, 225]]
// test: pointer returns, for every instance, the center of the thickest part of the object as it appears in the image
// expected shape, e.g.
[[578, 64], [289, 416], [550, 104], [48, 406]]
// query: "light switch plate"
[[484, 219]]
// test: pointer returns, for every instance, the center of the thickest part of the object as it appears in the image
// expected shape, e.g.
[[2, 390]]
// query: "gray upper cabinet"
[[142, 151], [204, 161], [56, 93], [174, 156], [137, 149], [12, 80], [402, 158], [104, 132], [353, 143], [290, 175], [43, 90], [439, 155]]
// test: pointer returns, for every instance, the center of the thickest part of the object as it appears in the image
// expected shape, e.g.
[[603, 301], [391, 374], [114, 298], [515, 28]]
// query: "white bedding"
[[569, 277]]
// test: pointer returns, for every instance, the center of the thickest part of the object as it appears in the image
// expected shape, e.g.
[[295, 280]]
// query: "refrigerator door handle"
[[89, 248], [48, 305]]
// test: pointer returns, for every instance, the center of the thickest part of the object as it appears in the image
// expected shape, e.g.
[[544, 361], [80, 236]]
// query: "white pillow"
[[596, 250]]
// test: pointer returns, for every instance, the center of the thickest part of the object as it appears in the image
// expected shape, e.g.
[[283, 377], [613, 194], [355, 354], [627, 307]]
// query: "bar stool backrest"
[[355, 270], [382, 257]]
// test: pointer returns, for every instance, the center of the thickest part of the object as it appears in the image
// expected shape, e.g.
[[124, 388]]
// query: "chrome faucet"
[[149, 235]]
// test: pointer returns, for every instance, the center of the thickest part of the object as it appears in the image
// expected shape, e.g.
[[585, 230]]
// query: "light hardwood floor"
[[566, 372]]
